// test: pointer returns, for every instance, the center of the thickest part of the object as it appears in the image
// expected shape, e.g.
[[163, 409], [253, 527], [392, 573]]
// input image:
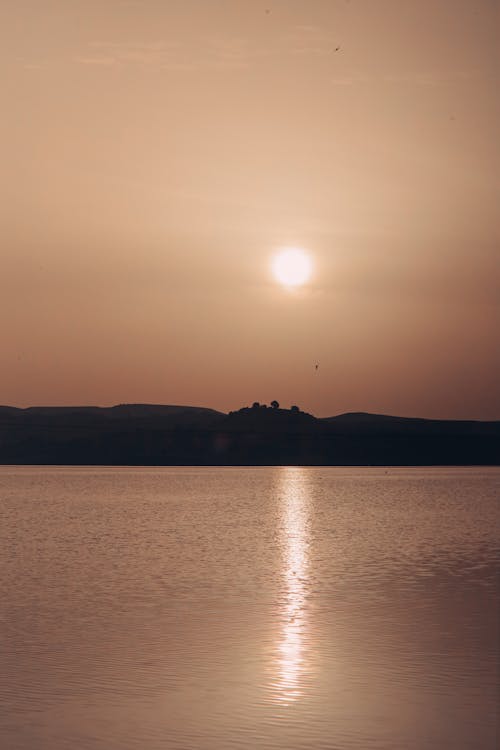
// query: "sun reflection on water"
[[291, 656]]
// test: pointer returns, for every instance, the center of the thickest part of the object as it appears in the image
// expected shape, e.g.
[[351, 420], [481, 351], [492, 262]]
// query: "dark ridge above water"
[[150, 434], [120, 411]]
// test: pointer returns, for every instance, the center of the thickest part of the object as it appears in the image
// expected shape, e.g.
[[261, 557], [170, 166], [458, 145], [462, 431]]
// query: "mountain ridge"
[[155, 434], [147, 409]]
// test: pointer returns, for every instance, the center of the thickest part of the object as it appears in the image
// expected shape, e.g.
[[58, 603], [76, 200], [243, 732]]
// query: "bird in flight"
[[316, 367]]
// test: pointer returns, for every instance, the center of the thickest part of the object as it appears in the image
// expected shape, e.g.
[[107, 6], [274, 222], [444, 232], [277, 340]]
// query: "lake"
[[281, 608]]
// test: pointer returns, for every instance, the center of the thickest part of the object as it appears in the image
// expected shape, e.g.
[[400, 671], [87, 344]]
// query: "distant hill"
[[149, 434], [356, 422], [74, 419], [121, 411], [267, 419]]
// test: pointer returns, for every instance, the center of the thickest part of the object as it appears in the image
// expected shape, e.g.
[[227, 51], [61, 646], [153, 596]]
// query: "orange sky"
[[156, 152]]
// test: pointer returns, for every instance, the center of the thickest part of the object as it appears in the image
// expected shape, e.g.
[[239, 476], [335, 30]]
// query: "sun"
[[291, 267]]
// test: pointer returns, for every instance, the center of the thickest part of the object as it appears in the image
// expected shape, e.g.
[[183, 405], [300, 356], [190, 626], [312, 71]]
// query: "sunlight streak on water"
[[291, 647]]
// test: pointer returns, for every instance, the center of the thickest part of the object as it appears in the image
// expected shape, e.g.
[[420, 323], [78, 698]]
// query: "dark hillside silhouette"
[[143, 434]]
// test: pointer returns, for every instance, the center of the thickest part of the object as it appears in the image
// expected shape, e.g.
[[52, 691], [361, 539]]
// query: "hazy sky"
[[156, 152]]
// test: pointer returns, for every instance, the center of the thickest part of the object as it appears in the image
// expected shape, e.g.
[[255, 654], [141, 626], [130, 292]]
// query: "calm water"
[[214, 608]]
